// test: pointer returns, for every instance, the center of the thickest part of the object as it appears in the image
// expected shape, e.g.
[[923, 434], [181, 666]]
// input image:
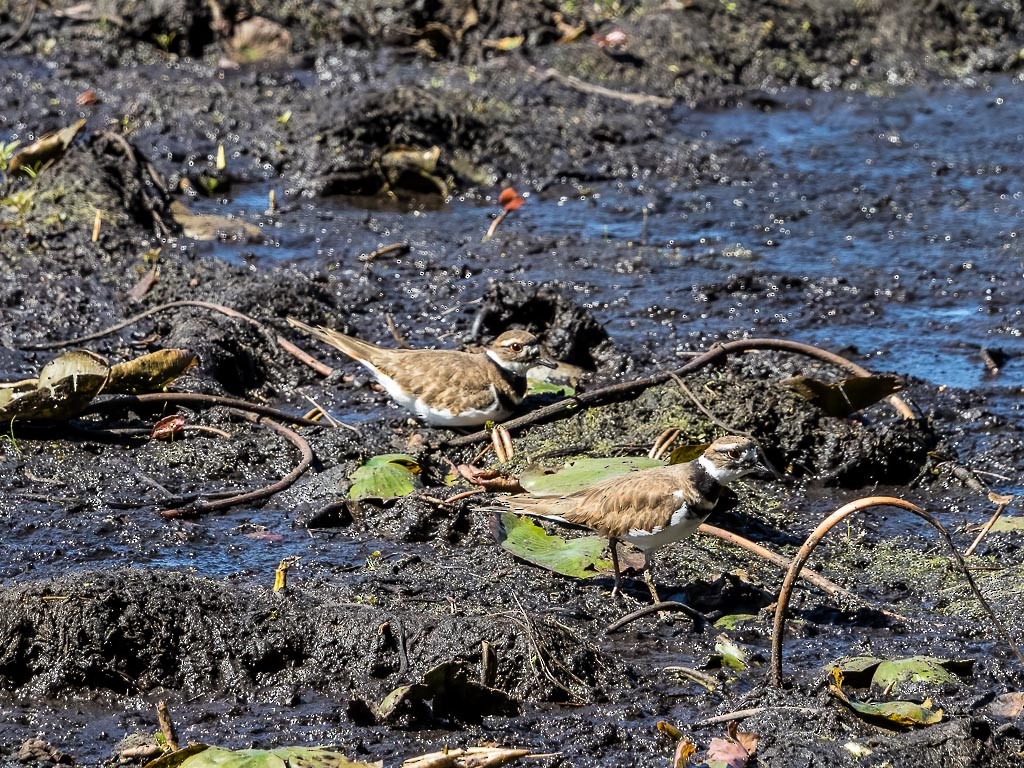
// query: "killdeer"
[[447, 388], [651, 507]]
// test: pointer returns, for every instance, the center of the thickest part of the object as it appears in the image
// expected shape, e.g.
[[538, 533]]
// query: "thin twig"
[[23, 29], [390, 320], [259, 494], [826, 585], [742, 714], [786, 592], [395, 249], [636, 99], [988, 526], [124, 402], [667, 605], [163, 717], [495, 224], [705, 410], [286, 345], [618, 392]]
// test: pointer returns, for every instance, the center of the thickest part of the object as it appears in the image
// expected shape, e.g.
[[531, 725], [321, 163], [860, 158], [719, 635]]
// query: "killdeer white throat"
[[652, 507], [447, 388]]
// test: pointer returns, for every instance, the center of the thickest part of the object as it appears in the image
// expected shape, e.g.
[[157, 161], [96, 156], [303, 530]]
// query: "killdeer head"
[[517, 352], [730, 458]]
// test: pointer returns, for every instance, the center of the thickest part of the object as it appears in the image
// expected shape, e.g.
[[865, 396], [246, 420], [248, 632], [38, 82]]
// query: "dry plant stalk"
[[786, 592]]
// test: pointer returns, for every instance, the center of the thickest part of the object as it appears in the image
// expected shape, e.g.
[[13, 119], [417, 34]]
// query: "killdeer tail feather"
[[354, 348]]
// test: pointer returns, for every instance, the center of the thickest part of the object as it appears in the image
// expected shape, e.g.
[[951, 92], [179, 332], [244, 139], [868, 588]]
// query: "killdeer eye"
[[515, 346]]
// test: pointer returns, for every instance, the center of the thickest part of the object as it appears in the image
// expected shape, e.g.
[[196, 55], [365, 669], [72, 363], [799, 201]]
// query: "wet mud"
[[842, 174]]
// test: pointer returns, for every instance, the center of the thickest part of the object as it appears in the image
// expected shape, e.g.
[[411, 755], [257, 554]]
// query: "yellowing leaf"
[[150, 373], [65, 386], [894, 714]]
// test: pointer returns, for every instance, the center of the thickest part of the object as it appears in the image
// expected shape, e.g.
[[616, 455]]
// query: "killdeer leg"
[[617, 591], [649, 577]]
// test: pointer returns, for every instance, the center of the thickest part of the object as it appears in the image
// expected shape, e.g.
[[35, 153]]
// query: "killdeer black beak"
[[543, 361]]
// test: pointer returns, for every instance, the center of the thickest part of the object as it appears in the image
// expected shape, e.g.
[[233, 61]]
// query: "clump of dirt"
[[568, 331]]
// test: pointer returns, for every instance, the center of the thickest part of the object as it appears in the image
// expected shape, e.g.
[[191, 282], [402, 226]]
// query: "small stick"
[[663, 443], [124, 402], [826, 585], [667, 605], [637, 99], [286, 345], [97, 225], [304, 357], [1003, 503], [786, 592], [990, 362], [395, 249], [615, 393], [259, 494], [495, 224], [742, 714], [488, 664], [390, 320], [163, 717]]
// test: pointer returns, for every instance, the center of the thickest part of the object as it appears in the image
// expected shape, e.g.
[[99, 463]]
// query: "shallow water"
[[904, 211]]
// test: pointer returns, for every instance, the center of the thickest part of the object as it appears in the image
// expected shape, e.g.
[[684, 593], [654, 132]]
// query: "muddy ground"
[[719, 204]]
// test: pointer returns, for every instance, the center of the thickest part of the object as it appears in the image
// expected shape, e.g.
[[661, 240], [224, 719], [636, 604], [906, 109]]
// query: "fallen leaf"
[[898, 714], [387, 476], [212, 227], [730, 654], [505, 43], [168, 427], [47, 148], [66, 385], [582, 557], [723, 753], [846, 397], [733, 620], [510, 200], [685, 750], [150, 373], [259, 40], [685, 453], [491, 480], [451, 690]]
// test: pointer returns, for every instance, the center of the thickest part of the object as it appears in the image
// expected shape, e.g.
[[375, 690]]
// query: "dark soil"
[[845, 174]]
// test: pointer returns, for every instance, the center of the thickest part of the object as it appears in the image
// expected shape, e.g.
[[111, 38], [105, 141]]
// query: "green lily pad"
[[884, 674], [733, 620], [582, 557], [282, 757], [915, 669], [582, 473], [1008, 524], [387, 476], [539, 387]]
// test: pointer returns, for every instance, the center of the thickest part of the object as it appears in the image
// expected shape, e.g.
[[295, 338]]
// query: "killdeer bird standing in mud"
[[652, 507], [447, 388]]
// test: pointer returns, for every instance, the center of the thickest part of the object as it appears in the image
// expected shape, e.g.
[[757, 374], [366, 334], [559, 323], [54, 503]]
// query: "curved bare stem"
[[286, 345], [625, 390], [786, 592]]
